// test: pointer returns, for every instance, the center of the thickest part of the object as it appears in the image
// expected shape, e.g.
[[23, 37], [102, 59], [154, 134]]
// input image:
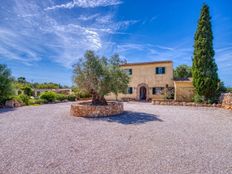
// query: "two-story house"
[[147, 80]]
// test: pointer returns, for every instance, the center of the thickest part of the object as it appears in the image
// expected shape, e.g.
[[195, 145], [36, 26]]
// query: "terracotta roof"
[[146, 63]]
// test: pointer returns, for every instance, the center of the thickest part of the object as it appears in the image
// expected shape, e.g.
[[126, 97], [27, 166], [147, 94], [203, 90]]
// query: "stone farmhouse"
[[154, 81]]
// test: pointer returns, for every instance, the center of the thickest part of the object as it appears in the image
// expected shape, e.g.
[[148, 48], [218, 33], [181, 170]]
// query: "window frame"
[[128, 71], [155, 92], [129, 90], [160, 70]]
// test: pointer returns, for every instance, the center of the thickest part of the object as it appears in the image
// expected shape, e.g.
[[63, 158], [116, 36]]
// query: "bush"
[[61, 97], [37, 101], [199, 99], [48, 96], [229, 90], [24, 98], [71, 97], [84, 94], [27, 90], [6, 84], [17, 98]]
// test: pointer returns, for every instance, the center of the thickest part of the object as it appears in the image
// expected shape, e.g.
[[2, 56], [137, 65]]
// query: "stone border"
[[226, 100], [84, 109], [175, 103]]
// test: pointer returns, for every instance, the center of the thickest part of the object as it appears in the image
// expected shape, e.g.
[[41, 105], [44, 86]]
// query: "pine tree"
[[204, 68]]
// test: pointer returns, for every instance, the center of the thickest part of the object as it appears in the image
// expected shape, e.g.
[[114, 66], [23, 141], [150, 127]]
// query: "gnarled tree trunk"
[[98, 100]]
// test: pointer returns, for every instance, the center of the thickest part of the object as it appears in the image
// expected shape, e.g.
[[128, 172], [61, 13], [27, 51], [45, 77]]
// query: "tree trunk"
[[98, 100]]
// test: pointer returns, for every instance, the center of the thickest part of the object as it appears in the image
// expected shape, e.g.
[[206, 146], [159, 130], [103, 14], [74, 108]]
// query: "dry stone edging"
[[85, 109], [225, 102]]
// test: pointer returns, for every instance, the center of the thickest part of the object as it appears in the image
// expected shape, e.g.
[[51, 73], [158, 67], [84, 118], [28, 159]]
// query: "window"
[[128, 71], [157, 90], [160, 70], [130, 90]]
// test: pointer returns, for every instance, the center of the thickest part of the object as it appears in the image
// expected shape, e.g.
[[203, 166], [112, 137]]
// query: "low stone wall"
[[226, 100], [85, 109], [175, 103], [13, 104]]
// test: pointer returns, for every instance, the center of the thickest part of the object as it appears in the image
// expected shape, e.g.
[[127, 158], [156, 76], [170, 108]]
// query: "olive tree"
[[99, 76]]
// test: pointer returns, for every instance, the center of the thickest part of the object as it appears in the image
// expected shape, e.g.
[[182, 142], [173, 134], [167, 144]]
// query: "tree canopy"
[[183, 71], [99, 76], [6, 84], [204, 68]]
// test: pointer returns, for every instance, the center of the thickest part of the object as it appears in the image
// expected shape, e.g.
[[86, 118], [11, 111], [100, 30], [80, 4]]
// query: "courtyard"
[[145, 139]]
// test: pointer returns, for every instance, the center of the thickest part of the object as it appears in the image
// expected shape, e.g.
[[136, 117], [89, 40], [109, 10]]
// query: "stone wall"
[[85, 109], [226, 100], [177, 103], [13, 104]]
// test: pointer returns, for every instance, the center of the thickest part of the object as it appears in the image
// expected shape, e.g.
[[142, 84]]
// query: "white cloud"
[[31, 34], [88, 17], [155, 52], [85, 4]]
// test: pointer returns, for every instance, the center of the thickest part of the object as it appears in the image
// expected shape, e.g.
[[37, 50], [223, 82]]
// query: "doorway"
[[143, 93]]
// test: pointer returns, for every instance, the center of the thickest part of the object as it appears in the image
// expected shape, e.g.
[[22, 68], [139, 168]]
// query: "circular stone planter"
[[85, 109]]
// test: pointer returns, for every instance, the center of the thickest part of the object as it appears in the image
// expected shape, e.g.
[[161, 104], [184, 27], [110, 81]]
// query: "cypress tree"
[[204, 68]]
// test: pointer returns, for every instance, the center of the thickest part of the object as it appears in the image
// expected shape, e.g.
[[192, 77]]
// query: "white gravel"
[[146, 139]]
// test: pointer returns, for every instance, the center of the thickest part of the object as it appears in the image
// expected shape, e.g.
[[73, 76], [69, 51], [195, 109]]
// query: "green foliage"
[[17, 98], [97, 76], [199, 99], [6, 84], [228, 89], [27, 90], [84, 94], [47, 85], [183, 71], [22, 80], [22, 98], [61, 97], [37, 101], [71, 97], [48, 96], [221, 88], [204, 68], [119, 79], [80, 93]]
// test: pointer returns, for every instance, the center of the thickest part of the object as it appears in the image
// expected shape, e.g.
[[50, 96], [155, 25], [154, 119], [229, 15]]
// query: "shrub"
[[37, 101], [24, 98], [61, 97], [228, 89], [198, 99], [17, 98], [48, 96], [84, 94], [6, 84], [28, 90], [71, 97]]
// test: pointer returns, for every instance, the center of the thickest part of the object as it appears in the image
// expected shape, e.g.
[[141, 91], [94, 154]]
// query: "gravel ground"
[[146, 139]]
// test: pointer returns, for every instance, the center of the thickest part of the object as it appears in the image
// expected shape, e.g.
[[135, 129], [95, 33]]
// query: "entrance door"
[[143, 93]]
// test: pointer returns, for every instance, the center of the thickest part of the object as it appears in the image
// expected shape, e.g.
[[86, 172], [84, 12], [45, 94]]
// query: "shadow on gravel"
[[2, 110], [130, 118]]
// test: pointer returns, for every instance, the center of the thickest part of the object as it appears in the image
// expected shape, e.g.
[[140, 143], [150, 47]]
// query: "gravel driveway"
[[146, 139]]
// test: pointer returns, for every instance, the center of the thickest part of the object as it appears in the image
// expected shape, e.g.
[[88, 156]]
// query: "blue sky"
[[41, 39]]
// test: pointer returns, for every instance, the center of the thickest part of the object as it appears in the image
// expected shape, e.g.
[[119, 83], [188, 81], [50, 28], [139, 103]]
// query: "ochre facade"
[[184, 90], [147, 80]]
